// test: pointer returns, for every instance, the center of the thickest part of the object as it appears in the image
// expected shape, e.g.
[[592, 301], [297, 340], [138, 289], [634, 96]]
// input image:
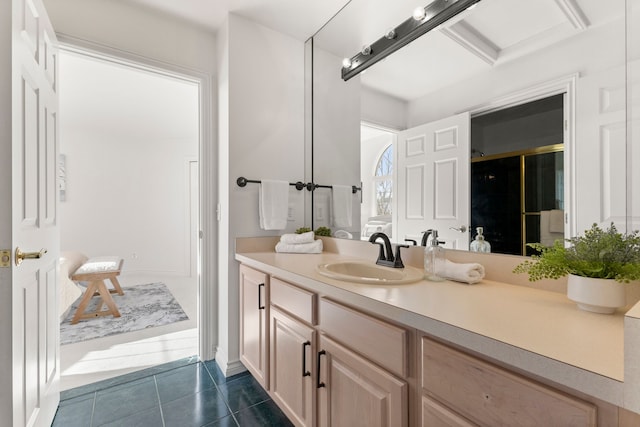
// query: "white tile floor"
[[94, 360]]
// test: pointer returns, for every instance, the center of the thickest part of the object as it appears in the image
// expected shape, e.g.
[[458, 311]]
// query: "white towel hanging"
[[341, 205], [273, 204]]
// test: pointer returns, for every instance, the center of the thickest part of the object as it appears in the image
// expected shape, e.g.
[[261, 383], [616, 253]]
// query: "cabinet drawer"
[[381, 342], [297, 301], [436, 415], [492, 396]]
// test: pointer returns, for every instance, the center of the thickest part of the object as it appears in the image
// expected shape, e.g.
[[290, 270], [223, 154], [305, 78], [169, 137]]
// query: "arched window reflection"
[[383, 181]]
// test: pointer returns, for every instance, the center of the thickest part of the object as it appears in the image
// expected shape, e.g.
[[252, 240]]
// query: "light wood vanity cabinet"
[[347, 371], [326, 364], [254, 332]]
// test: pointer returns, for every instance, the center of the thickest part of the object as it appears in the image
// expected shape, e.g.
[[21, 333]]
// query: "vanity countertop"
[[538, 331]]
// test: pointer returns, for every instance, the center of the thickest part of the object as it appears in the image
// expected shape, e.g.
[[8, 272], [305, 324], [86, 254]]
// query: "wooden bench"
[[95, 271]]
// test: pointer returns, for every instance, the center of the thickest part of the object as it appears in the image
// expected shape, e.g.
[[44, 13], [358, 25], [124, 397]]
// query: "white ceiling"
[[492, 33], [297, 18]]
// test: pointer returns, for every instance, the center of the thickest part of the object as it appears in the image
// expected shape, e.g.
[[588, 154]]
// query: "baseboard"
[[228, 368], [235, 368]]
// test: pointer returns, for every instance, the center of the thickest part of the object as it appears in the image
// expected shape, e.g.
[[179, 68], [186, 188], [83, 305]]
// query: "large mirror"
[[510, 116]]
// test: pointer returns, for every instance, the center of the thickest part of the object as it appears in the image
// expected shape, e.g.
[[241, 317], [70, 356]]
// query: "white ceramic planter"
[[596, 295]]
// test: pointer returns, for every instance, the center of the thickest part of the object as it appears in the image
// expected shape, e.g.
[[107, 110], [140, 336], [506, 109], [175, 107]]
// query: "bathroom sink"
[[362, 272]]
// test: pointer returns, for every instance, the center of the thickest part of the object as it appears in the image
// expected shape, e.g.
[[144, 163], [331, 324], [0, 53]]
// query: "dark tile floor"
[[183, 393]]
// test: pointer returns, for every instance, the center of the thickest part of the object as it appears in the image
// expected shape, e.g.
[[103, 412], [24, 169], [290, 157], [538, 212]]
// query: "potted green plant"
[[598, 263]]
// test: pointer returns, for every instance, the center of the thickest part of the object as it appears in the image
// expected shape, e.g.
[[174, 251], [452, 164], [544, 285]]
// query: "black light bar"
[[435, 14]]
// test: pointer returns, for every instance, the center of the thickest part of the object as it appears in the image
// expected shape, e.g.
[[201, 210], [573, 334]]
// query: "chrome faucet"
[[385, 256], [434, 237]]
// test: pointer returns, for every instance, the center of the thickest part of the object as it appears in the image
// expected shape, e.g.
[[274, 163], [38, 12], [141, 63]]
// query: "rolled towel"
[[468, 273], [314, 247], [296, 239]]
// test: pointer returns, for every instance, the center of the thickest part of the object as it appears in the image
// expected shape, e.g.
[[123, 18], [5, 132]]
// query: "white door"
[[433, 164], [600, 150], [30, 389]]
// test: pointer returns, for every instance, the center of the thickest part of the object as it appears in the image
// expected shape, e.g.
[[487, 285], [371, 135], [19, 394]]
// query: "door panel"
[[601, 150], [29, 148], [50, 165]]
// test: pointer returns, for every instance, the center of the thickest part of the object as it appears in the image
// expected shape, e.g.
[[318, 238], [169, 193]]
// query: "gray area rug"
[[141, 307]]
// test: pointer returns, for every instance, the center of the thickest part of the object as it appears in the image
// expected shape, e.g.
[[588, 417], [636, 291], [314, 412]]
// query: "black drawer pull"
[[305, 373], [318, 383], [260, 306]]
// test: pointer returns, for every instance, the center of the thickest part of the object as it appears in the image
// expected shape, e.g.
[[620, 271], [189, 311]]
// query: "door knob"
[[461, 229], [21, 256]]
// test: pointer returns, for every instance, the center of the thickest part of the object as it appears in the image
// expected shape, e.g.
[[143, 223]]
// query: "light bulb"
[[346, 63], [419, 14], [366, 50], [390, 34]]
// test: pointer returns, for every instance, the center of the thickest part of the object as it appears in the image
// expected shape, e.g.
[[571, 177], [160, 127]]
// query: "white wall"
[[261, 114], [128, 137], [383, 110], [135, 29]]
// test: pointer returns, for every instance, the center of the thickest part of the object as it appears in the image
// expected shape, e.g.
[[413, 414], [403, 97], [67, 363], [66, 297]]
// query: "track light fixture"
[[424, 19]]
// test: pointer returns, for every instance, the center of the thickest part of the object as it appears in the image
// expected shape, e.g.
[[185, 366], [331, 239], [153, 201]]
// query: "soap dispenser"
[[433, 258], [479, 244]]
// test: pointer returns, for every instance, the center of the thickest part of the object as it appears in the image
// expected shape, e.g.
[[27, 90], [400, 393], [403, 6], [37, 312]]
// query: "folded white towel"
[[273, 204], [556, 221], [341, 205], [547, 238], [468, 273], [314, 247], [296, 239]]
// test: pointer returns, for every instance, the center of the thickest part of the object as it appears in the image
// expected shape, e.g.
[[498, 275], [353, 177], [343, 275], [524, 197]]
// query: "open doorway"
[[377, 175], [129, 143], [517, 175]]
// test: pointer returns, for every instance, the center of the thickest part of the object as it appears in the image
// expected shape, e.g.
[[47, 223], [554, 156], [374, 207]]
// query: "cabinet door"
[[291, 380], [352, 391], [254, 317]]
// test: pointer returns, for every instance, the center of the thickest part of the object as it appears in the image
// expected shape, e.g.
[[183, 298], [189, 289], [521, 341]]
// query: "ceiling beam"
[[574, 13], [467, 37]]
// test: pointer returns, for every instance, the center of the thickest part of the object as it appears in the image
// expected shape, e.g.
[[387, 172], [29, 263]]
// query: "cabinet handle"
[[305, 373], [260, 306], [318, 383]]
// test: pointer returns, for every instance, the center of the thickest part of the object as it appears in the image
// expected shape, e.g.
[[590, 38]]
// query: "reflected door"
[[432, 185]]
